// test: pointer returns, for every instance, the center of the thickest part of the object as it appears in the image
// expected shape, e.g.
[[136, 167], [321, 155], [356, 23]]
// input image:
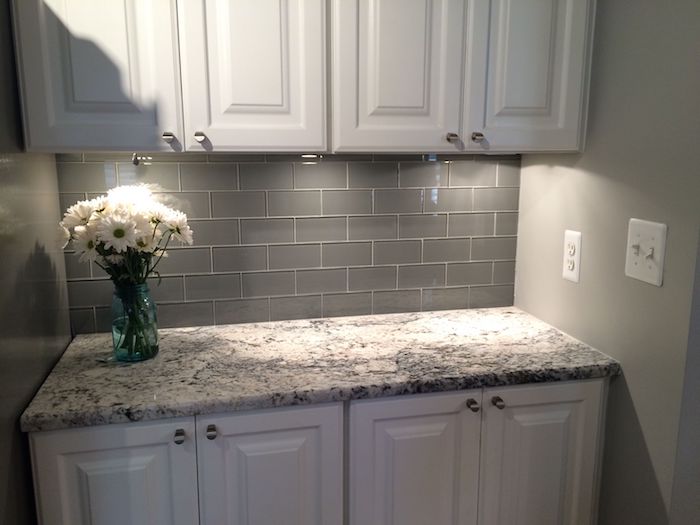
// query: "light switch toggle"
[[646, 246]]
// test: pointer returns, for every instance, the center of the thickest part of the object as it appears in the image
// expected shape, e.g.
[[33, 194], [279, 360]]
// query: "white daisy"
[[117, 232], [78, 214], [63, 235], [177, 224], [85, 241]]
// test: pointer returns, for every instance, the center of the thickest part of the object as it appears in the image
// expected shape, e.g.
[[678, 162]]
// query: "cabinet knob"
[[211, 432], [199, 136], [179, 437], [477, 137], [473, 405], [168, 136], [498, 402], [452, 138]]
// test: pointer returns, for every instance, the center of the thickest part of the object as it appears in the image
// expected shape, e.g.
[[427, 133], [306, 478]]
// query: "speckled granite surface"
[[238, 367]]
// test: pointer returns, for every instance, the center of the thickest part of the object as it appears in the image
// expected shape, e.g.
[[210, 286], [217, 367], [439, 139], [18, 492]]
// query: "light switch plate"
[[646, 248], [572, 256]]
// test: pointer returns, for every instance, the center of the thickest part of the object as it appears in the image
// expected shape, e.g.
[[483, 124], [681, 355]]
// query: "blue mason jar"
[[134, 323]]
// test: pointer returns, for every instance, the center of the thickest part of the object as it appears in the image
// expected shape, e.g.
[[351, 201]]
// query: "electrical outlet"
[[572, 256], [646, 248]]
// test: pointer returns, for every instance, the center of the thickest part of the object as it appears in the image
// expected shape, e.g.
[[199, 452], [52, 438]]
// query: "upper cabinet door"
[[99, 75], [254, 74], [529, 91], [397, 74]]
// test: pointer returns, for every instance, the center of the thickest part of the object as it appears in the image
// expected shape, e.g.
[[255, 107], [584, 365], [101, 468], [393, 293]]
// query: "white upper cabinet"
[[254, 74], [529, 91], [99, 75], [397, 68]]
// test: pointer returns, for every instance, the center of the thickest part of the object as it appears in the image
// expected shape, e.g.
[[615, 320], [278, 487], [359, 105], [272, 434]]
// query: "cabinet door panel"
[[535, 72], [254, 74], [99, 75], [117, 474], [397, 74], [414, 460], [267, 467], [539, 454]]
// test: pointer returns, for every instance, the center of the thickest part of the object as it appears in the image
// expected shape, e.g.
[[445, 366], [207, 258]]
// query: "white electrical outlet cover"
[[571, 269], [646, 248]]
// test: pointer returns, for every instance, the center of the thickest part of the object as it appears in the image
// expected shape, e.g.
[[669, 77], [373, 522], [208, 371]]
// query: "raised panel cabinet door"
[[99, 75], [254, 75], [397, 74], [135, 473], [273, 466], [527, 71], [540, 454], [415, 460]]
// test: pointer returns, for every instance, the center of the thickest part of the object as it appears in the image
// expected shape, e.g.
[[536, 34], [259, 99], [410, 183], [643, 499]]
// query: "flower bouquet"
[[126, 233]]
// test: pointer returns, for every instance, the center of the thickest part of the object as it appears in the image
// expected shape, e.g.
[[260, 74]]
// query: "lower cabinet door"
[[272, 467], [414, 460], [135, 473], [540, 447]]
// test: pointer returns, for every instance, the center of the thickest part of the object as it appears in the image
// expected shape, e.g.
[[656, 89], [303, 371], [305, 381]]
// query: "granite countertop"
[[213, 369]]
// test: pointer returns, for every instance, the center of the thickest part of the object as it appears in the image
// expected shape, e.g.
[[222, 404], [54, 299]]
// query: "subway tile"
[[468, 224], [373, 174], [170, 156], [397, 252], [346, 157], [238, 204], [185, 314], [444, 250], [343, 202], [163, 177], [316, 281], [469, 273], [90, 293], [320, 175], [504, 272], [491, 296], [346, 254], [262, 284], [94, 177], [103, 319], [193, 204], [185, 260], [396, 301], [242, 311], [473, 173], [448, 199], [288, 203], [82, 321], [496, 199], [374, 278], [69, 157], [214, 232], [74, 268], [307, 307], [423, 174], [236, 157], [343, 304], [166, 289], [240, 258], [509, 172], [371, 228], [227, 286], [421, 276], [273, 176], [260, 231], [321, 229], [419, 226], [295, 256], [66, 200], [506, 224], [445, 298], [493, 248], [209, 177], [398, 201]]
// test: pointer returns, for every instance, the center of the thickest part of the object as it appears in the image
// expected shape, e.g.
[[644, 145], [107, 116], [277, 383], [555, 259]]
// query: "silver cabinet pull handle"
[[199, 136], [452, 138], [498, 402], [478, 137], [473, 405], [179, 437], [211, 432], [168, 136]]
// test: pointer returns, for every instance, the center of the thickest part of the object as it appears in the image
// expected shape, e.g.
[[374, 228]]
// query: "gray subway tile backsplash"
[[277, 237]]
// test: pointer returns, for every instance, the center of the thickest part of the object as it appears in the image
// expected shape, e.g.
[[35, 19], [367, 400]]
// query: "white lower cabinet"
[[272, 467]]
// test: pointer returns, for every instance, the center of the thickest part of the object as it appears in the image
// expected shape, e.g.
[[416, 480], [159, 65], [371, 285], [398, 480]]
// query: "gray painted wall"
[[640, 161]]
